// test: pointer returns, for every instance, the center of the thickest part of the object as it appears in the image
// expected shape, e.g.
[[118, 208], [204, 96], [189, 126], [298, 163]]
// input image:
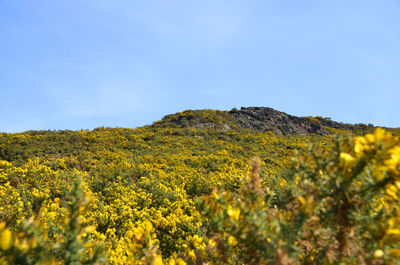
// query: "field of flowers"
[[198, 196]]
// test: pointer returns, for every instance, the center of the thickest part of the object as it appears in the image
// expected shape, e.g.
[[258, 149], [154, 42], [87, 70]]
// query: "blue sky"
[[81, 64]]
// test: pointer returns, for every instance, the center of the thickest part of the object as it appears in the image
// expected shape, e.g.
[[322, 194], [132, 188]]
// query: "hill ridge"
[[258, 119]]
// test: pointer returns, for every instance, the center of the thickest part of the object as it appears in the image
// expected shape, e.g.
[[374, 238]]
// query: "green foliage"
[[199, 119]]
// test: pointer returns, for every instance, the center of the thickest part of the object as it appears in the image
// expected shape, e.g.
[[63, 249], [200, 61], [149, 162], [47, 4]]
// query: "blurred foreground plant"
[[340, 206], [31, 244]]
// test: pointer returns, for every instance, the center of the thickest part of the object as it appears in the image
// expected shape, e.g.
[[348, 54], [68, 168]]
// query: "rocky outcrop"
[[268, 119], [256, 118]]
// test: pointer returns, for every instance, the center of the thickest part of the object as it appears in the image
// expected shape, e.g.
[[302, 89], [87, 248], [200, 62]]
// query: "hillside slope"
[[182, 191]]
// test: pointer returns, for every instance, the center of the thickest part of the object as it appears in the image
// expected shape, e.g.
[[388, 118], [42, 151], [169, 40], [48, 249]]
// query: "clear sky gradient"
[[81, 64]]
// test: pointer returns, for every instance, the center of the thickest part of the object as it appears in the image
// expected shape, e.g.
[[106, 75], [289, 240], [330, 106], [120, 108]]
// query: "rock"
[[268, 119]]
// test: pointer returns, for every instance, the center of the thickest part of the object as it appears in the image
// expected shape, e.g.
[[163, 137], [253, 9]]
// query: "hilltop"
[[258, 119]]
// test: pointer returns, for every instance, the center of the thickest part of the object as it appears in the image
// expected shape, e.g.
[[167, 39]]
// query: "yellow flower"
[[392, 191], [347, 157], [5, 239], [157, 260], [378, 253], [397, 183], [90, 229], [212, 243], [370, 138], [359, 144], [232, 241], [180, 261], [379, 134], [301, 200], [192, 254], [393, 231], [234, 213]]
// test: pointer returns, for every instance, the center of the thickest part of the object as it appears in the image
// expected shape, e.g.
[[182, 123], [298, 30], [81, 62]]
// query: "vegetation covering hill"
[[249, 186]]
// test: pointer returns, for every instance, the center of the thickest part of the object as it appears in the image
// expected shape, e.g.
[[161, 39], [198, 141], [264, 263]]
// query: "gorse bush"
[[338, 206], [35, 243], [349, 197], [188, 196]]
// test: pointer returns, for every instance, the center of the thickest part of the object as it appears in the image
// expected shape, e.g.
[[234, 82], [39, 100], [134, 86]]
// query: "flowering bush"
[[188, 196]]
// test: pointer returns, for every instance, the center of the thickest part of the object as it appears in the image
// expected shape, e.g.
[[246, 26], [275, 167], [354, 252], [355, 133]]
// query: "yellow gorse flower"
[[5, 237], [378, 253], [233, 212], [232, 241], [346, 157]]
